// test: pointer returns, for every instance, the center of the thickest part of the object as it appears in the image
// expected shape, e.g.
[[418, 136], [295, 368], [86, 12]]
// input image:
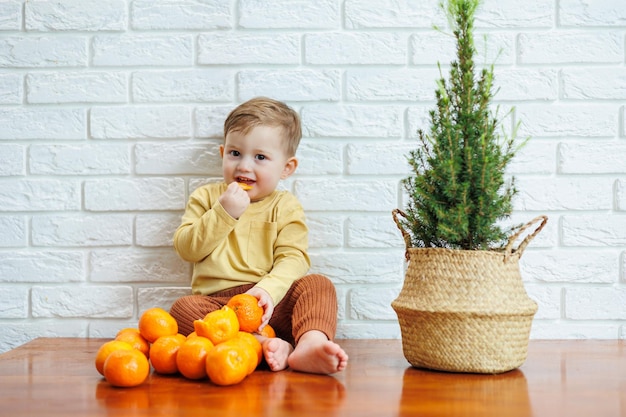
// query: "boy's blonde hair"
[[268, 112]]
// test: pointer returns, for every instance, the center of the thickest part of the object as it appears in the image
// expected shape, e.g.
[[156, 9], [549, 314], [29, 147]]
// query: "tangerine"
[[164, 351], [156, 322], [268, 331], [249, 314], [228, 363], [126, 368], [218, 326], [106, 349], [254, 345], [191, 357], [134, 337]]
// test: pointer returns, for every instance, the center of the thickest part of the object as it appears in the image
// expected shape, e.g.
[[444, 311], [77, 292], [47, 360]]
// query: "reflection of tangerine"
[[191, 357], [127, 399], [106, 349], [135, 338], [156, 322], [249, 314], [228, 363], [164, 351], [218, 326], [126, 368]]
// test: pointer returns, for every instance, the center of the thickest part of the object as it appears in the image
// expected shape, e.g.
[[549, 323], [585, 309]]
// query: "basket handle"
[[508, 250], [405, 235]]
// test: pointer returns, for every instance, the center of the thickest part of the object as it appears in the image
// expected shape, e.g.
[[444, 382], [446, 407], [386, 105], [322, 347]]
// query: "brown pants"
[[310, 304]]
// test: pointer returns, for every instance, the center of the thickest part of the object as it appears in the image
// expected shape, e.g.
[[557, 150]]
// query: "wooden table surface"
[[57, 377]]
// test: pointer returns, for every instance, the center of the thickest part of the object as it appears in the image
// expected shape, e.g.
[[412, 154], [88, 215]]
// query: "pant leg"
[[193, 307], [310, 304]]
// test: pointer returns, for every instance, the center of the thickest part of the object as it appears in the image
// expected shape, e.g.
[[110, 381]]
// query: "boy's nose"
[[245, 164]]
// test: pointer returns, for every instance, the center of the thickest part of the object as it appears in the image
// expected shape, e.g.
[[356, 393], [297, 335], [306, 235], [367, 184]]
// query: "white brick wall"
[[111, 112]]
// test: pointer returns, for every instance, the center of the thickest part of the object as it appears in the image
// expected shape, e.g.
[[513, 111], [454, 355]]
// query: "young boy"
[[245, 236]]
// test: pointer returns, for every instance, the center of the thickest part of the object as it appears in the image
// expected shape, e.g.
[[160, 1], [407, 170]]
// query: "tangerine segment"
[[249, 314], [218, 326], [156, 322], [106, 349], [227, 363], [126, 368], [191, 357], [244, 186], [164, 351]]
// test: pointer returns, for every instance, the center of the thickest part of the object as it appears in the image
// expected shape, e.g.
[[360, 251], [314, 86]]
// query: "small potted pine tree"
[[463, 307]]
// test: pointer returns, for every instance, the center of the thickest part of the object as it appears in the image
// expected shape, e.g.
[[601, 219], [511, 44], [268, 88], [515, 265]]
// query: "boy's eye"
[[234, 153], [260, 157]]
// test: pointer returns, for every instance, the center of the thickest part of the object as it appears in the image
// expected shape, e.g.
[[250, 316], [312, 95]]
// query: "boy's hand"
[[234, 200], [265, 302]]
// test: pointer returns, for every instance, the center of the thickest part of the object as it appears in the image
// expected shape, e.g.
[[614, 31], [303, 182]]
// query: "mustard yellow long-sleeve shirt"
[[267, 245]]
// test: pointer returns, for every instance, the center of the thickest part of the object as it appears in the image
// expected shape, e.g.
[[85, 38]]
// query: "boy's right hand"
[[234, 200]]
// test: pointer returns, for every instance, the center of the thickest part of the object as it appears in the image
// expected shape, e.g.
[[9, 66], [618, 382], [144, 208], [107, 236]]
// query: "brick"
[[372, 303], [158, 158], [572, 330], [567, 193], [595, 303], [183, 86], [343, 48], [16, 333], [363, 195], [548, 301], [11, 88], [391, 158], [43, 51], [140, 122], [181, 14], [526, 84], [141, 265], [290, 85], [208, 122], [413, 14], [368, 330], [620, 194], [13, 231], [154, 230], [380, 267], [571, 266], [82, 301], [12, 159], [76, 87], [39, 195], [596, 83], [535, 157], [42, 123], [20, 266], [548, 237], [369, 231], [82, 230], [162, 297], [134, 194], [514, 14], [601, 158], [317, 158], [559, 47], [287, 14], [14, 302], [417, 118], [593, 230], [430, 48], [78, 159], [352, 121], [603, 13], [248, 48], [568, 120], [391, 84], [11, 15], [142, 50], [325, 231], [88, 15]]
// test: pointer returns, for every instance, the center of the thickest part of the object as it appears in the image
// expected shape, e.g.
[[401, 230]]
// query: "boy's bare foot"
[[276, 351], [315, 354]]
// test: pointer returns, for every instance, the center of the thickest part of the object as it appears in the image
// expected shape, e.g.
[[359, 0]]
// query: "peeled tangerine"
[[246, 187]]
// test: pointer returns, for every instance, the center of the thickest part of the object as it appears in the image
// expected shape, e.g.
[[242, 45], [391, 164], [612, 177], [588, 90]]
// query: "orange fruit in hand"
[[135, 338], [248, 312], [228, 363], [156, 322], [268, 331], [106, 349], [218, 326], [126, 368], [191, 357], [164, 351], [254, 347]]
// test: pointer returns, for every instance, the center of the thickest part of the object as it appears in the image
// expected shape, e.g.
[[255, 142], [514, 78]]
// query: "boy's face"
[[258, 159]]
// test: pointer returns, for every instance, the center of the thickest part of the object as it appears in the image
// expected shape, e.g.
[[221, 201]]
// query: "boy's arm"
[[202, 228]]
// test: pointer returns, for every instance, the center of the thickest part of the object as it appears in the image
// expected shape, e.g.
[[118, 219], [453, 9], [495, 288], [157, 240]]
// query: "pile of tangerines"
[[222, 347]]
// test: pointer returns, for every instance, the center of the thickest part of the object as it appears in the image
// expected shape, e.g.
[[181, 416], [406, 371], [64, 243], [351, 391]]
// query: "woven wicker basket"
[[465, 310]]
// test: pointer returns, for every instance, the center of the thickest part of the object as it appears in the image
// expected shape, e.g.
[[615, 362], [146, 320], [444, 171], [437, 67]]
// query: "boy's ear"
[[290, 167], [222, 151]]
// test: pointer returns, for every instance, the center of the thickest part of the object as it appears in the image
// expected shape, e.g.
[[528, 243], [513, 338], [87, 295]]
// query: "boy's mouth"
[[245, 183]]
